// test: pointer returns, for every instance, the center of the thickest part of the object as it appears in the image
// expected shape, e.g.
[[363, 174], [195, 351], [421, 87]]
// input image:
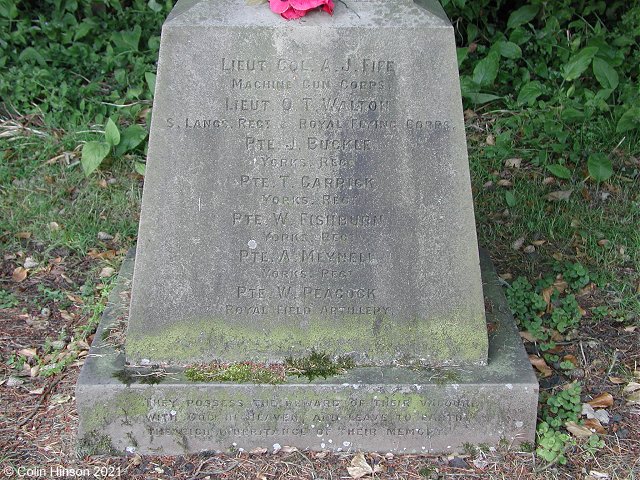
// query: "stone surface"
[[369, 408], [307, 187]]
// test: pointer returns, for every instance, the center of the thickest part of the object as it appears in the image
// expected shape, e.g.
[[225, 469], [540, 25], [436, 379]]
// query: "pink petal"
[[279, 6], [328, 7], [293, 14], [306, 4]]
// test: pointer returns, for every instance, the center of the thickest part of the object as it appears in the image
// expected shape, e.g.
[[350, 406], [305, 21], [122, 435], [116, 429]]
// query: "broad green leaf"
[[462, 55], [522, 15], [529, 93], [151, 81], [125, 41], [486, 70], [559, 171], [131, 137], [605, 73], [629, 121], [30, 54], [140, 167], [571, 115], [155, 6], [578, 63], [8, 9], [93, 153], [479, 98], [510, 198], [509, 50], [111, 133], [600, 167]]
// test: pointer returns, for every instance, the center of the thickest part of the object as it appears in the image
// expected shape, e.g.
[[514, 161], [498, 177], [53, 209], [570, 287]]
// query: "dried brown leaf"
[[517, 245], [578, 431], [28, 352], [559, 195], [19, 274], [604, 400], [572, 359], [505, 183], [594, 424], [528, 337], [541, 365], [107, 272], [513, 162], [617, 380], [359, 467]]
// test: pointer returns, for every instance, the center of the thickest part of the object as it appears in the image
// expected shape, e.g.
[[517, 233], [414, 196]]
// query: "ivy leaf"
[[522, 15], [111, 133], [605, 73], [93, 153], [486, 69], [629, 120], [600, 167], [462, 55], [578, 63], [529, 93], [559, 171]]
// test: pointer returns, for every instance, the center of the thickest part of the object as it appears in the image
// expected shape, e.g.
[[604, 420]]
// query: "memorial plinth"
[[307, 189]]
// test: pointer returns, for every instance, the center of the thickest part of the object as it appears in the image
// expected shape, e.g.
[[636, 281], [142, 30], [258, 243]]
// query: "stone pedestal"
[[307, 189], [386, 409]]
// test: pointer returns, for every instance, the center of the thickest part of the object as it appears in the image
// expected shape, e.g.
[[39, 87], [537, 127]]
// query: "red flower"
[[291, 9]]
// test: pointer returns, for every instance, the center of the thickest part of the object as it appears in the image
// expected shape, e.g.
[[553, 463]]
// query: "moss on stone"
[[95, 444], [455, 339], [243, 372], [318, 364]]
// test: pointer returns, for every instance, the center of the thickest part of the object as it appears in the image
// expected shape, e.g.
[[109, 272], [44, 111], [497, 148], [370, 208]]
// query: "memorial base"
[[390, 409]]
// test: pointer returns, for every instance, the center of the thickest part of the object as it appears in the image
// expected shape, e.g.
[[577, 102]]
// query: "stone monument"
[[307, 190]]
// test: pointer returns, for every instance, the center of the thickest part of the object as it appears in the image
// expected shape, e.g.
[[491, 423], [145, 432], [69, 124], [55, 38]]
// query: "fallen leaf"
[[541, 365], [517, 245], [59, 398], [104, 236], [360, 468], [489, 184], [560, 285], [513, 162], [107, 272], [528, 337], [538, 243], [24, 235], [603, 242], [28, 352], [559, 195], [34, 371], [572, 359], [558, 256], [258, 450], [529, 249], [601, 415], [630, 388], [599, 475], [633, 398], [594, 424], [506, 276], [546, 294], [321, 455], [491, 140], [617, 380], [578, 431], [603, 400], [288, 449], [37, 391], [29, 262], [548, 181], [54, 226], [505, 183], [19, 274]]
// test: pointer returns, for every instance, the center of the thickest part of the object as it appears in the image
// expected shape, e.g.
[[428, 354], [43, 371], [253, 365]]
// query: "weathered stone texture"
[[307, 187]]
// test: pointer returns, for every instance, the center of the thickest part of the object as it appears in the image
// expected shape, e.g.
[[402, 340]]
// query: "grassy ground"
[[555, 159]]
